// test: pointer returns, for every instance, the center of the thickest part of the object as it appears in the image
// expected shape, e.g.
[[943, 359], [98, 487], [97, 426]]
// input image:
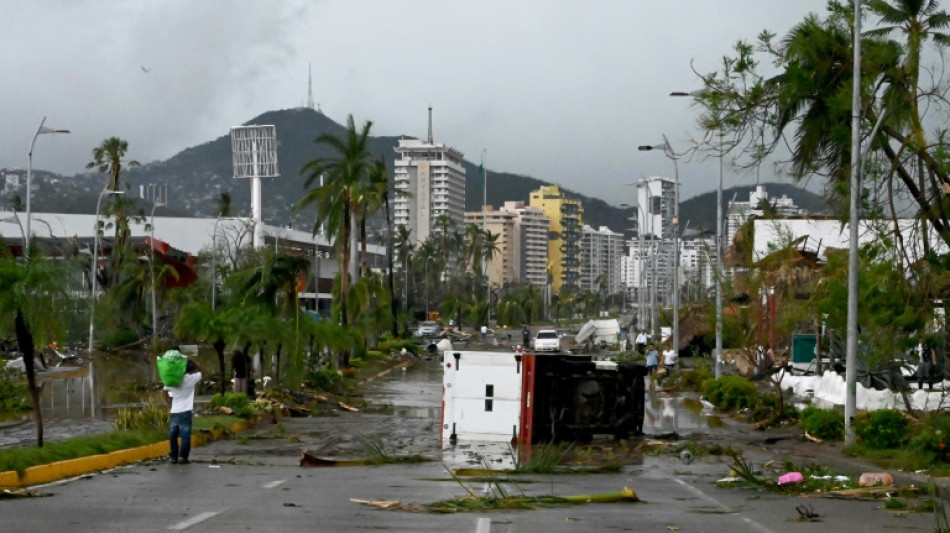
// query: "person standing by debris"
[[925, 369], [641, 341], [653, 359], [239, 363], [670, 359], [181, 403], [484, 331], [525, 336], [623, 339]]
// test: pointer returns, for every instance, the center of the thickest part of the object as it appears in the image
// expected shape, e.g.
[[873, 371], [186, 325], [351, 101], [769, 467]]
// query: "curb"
[[40, 474]]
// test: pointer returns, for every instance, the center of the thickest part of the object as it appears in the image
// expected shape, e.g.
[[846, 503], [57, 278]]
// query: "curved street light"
[[214, 255], [42, 130], [92, 300], [668, 150], [719, 224], [151, 260], [95, 268]]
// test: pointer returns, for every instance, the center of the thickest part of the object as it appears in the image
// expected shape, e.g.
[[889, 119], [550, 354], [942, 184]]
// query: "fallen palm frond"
[[474, 503], [309, 459], [861, 493]]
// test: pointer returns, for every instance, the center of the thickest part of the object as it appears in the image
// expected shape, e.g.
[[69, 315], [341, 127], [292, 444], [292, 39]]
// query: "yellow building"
[[564, 243]]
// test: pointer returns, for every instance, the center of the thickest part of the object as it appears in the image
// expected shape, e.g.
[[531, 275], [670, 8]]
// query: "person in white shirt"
[[641, 341], [669, 359], [181, 401]]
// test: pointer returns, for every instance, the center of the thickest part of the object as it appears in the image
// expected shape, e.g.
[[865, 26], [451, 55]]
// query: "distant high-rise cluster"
[[429, 182]]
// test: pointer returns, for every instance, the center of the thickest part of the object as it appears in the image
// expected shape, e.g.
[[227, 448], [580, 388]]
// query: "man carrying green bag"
[[171, 367]]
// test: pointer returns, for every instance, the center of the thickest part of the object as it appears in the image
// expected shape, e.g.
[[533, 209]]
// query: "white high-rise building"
[[601, 250], [429, 182], [739, 212]]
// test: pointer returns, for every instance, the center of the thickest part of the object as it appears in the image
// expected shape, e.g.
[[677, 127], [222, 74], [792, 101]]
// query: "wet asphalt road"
[[255, 484]]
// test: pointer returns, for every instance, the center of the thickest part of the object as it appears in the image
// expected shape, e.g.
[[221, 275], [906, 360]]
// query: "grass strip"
[[20, 459]]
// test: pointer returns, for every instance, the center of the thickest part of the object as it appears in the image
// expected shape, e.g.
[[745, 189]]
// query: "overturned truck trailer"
[[529, 398]]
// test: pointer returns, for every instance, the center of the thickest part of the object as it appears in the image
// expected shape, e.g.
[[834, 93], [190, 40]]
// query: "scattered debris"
[[791, 478], [807, 513], [873, 479], [813, 439], [476, 503]]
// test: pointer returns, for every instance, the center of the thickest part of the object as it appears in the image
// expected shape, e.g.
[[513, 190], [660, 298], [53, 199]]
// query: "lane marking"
[[193, 520], [484, 525], [723, 506], [273, 484]]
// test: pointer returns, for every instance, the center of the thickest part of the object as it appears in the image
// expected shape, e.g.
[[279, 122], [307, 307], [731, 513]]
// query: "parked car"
[[546, 340], [428, 328]]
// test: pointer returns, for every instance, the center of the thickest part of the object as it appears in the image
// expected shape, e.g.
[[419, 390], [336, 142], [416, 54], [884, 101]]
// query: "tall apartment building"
[[564, 244], [739, 212], [429, 182], [532, 228], [522, 243], [655, 198], [504, 265], [601, 250]]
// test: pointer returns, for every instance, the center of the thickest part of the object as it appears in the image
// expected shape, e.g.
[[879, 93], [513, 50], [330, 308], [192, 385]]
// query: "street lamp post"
[[428, 257], [719, 224], [668, 150], [42, 130], [92, 300], [157, 204], [95, 268]]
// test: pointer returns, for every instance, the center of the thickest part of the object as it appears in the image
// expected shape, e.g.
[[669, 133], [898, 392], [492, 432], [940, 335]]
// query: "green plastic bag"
[[171, 368]]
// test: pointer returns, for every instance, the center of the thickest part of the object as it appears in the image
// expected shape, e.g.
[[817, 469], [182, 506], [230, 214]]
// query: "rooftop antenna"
[[309, 86], [430, 123]]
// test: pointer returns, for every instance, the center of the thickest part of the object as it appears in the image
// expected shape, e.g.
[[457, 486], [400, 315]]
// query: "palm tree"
[[198, 320], [108, 159], [224, 207], [272, 286], [30, 294], [404, 248], [918, 20], [336, 201]]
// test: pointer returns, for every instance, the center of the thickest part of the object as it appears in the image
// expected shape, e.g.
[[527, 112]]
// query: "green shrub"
[[933, 438], [238, 402], [122, 337], [14, 396], [881, 429], [696, 378], [826, 424], [332, 381], [153, 416], [397, 345], [374, 355], [732, 392]]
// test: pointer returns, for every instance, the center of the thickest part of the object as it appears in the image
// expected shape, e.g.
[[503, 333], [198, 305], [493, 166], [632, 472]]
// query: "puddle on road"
[[663, 414]]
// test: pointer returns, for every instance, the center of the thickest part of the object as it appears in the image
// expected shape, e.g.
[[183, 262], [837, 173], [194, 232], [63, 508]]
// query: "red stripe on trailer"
[[527, 407]]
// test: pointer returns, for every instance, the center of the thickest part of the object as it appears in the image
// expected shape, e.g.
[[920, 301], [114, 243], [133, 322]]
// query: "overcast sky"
[[562, 91]]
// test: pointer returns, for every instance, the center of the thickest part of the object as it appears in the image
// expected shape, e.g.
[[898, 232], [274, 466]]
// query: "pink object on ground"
[[791, 477], [872, 479]]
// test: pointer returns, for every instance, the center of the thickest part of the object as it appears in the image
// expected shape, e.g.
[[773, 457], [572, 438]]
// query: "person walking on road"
[[239, 363], [653, 359], [669, 360], [925, 369], [181, 401], [525, 336]]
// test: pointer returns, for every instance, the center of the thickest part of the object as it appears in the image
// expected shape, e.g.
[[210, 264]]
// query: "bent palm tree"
[[108, 159], [29, 294], [347, 172]]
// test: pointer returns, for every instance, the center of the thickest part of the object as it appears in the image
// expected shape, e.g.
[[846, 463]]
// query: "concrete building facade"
[[564, 245], [429, 182], [601, 250]]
